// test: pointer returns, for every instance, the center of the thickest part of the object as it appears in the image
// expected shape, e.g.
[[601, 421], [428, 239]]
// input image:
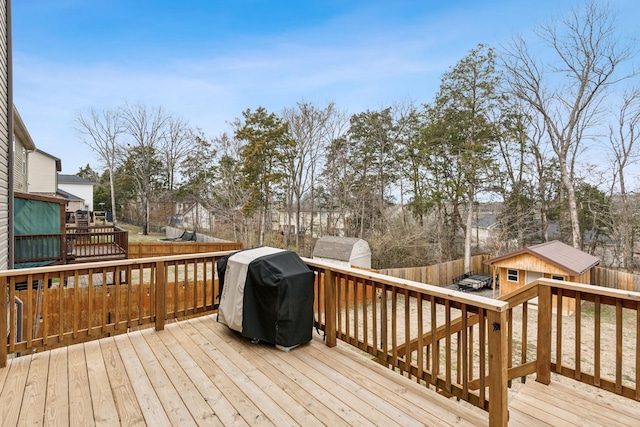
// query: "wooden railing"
[[77, 244], [379, 315], [598, 345], [85, 243], [156, 249], [40, 248], [62, 305], [460, 345]]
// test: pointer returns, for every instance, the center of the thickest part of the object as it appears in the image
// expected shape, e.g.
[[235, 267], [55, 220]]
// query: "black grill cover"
[[275, 300]]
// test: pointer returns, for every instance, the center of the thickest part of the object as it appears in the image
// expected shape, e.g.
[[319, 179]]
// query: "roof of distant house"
[[73, 179], [70, 197], [566, 257]]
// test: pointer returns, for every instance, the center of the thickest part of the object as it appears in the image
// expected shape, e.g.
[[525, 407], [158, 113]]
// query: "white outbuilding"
[[344, 251]]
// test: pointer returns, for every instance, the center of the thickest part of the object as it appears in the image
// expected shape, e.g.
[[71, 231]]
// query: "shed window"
[[512, 275], [554, 277]]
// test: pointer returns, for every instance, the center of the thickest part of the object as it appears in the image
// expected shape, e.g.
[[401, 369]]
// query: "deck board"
[[56, 411], [13, 390], [81, 407], [129, 411], [198, 372], [35, 390], [558, 404]]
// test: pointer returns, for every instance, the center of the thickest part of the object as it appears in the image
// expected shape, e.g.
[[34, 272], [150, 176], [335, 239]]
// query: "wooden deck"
[[197, 372]]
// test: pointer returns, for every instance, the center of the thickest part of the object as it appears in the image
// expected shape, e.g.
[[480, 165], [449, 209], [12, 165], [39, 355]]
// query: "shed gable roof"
[[338, 248], [561, 255]]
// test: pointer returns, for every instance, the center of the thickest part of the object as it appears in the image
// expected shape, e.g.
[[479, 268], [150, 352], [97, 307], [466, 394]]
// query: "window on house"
[[554, 277], [512, 275], [24, 161]]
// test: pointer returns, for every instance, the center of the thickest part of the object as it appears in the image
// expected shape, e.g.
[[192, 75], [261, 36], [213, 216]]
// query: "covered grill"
[[267, 294]]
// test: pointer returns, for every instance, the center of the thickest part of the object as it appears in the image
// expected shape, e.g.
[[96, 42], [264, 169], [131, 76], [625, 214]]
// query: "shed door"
[[533, 275]]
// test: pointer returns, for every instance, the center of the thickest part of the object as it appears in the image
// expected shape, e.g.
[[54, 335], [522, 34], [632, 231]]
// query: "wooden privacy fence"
[[602, 276], [157, 249], [440, 274]]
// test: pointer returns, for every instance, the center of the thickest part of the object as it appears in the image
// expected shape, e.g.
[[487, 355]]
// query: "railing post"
[[4, 331], [498, 361], [543, 363], [330, 307], [161, 297]]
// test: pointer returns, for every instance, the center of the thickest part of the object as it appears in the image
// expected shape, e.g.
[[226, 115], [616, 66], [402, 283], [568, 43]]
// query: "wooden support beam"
[[543, 367], [330, 308], [4, 331], [161, 297], [498, 352]]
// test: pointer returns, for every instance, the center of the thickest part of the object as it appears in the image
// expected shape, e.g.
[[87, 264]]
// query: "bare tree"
[[623, 138], [309, 128], [146, 126], [175, 145], [101, 131], [568, 90]]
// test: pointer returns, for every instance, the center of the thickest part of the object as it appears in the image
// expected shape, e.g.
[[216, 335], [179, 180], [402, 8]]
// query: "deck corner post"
[[161, 297], [543, 362], [498, 363], [4, 332], [330, 307]]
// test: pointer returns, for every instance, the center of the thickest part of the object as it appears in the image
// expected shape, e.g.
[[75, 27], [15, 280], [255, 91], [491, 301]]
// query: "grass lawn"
[[135, 234]]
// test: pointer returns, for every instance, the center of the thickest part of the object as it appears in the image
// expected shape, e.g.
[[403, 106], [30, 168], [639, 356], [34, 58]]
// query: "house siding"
[[6, 146], [83, 191], [43, 176], [19, 178]]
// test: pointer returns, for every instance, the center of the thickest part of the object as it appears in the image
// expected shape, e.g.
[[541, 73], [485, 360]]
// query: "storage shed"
[[345, 251], [552, 260]]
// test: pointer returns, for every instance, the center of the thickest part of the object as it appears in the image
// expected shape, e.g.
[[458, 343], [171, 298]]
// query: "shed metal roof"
[[563, 256]]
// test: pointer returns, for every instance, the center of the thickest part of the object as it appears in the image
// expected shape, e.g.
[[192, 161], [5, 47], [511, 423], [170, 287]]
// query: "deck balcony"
[[77, 244], [136, 342]]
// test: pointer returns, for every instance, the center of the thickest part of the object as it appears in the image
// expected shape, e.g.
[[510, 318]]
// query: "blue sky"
[[207, 61]]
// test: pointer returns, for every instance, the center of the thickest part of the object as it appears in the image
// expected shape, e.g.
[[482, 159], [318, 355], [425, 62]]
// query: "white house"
[[42, 173], [79, 187]]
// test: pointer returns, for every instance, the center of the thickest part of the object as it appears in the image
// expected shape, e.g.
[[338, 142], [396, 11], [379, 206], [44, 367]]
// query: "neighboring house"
[[323, 223], [74, 203], [22, 145], [6, 149], [42, 173], [551, 260], [194, 216], [79, 187]]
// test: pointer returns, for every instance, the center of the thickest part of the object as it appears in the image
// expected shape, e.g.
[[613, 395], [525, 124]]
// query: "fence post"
[[4, 331], [498, 361], [161, 297], [330, 307], [543, 363]]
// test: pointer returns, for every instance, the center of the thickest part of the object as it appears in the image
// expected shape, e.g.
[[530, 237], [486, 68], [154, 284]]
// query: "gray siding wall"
[[6, 148]]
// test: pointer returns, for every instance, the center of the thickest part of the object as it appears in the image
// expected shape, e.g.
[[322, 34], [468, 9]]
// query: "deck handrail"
[[561, 347], [378, 314], [76, 243], [454, 342]]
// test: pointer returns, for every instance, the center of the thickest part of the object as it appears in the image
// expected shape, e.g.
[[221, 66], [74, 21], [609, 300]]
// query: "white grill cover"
[[231, 300]]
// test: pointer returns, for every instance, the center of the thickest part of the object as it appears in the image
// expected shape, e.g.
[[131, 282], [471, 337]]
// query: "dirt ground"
[[572, 325]]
